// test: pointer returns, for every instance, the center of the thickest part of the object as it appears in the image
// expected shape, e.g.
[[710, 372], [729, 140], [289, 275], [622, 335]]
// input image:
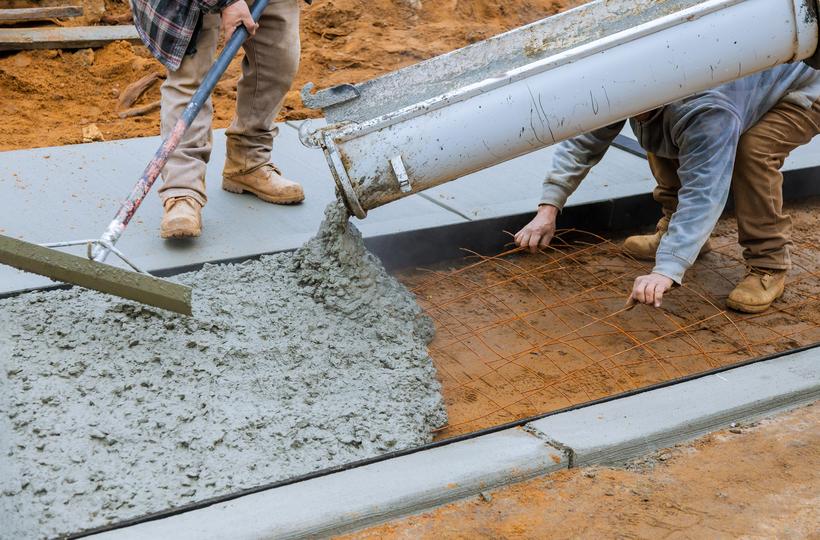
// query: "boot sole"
[[751, 308], [174, 230], [233, 187], [180, 234]]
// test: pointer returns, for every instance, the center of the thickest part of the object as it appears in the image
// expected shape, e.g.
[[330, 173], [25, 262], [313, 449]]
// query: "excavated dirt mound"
[[47, 97]]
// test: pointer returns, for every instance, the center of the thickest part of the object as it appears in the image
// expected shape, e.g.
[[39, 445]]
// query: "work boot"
[[266, 182], [182, 218], [644, 246], [758, 290]]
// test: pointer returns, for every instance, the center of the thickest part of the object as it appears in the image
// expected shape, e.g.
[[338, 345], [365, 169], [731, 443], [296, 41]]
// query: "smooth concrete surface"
[[616, 431], [71, 193], [362, 496], [514, 187]]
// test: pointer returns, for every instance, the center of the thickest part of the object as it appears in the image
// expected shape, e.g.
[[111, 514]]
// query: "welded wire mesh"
[[520, 334]]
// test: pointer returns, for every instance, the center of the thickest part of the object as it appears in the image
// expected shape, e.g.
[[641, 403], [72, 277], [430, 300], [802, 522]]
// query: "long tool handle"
[[169, 144]]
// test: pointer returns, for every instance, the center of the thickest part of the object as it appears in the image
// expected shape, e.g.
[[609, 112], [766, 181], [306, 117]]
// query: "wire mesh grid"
[[520, 334]]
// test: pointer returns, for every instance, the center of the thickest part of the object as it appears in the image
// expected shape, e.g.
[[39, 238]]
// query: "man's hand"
[[539, 232], [649, 290], [236, 15]]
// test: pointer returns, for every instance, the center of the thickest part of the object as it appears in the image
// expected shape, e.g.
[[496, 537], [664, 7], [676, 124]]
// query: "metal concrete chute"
[[542, 83]]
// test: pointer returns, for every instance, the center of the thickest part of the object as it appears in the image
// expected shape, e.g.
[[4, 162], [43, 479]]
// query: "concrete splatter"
[[292, 363]]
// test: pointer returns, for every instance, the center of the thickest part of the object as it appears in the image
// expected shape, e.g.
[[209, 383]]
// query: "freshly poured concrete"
[[620, 429], [292, 363]]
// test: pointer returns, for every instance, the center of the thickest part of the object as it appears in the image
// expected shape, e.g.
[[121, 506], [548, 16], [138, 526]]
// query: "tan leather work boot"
[[758, 290], [644, 246], [182, 218], [267, 183]]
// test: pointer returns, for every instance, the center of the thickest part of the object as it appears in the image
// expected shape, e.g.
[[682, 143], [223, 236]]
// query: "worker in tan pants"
[[764, 231], [270, 64]]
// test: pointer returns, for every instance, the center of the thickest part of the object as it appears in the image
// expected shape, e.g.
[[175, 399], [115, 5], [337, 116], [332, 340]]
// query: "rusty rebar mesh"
[[521, 334]]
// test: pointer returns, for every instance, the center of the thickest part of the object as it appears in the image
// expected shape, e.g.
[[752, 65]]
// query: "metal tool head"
[[61, 266]]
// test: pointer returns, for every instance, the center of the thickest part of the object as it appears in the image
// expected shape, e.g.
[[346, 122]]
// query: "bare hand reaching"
[[539, 232], [649, 290], [235, 16]]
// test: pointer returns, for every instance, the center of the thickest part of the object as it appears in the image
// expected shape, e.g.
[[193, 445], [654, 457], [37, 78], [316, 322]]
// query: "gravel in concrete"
[[291, 363]]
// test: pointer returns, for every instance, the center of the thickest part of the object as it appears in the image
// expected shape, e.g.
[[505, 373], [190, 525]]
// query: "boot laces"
[[272, 167], [174, 201], [765, 275]]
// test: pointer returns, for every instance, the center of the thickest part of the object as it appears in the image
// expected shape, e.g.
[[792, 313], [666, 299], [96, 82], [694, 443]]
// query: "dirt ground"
[[519, 335], [46, 97], [757, 481]]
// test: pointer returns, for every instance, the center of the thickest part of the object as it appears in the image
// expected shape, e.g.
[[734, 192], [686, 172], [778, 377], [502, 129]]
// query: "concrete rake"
[[91, 272]]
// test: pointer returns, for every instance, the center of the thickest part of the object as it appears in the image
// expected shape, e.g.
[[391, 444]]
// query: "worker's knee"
[[751, 146], [756, 149]]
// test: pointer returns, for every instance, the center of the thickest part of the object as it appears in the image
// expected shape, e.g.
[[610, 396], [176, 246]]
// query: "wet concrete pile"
[[292, 363]]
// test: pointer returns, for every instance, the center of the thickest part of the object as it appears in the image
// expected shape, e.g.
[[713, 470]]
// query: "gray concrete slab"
[[616, 431], [363, 496], [804, 157], [514, 187], [71, 192]]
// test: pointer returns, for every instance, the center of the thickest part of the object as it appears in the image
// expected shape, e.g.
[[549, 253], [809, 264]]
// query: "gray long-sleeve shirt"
[[702, 133]]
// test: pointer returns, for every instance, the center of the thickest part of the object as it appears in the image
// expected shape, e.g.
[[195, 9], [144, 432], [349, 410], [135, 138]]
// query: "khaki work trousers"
[[268, 69], [764, 231]]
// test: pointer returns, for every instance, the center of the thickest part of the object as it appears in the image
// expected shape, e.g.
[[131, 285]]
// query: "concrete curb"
[[609, 432], [359, 497], [616, 431]]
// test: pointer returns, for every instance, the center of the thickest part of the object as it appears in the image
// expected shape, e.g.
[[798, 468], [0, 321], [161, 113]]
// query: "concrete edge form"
[[366, 495], [614, 432], [606, 433]]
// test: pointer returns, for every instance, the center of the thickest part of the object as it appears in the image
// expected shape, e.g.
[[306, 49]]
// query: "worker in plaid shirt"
[[183, 35]]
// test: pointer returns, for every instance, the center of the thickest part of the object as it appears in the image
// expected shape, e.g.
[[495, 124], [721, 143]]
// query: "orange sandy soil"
[[757, 481], [521, 334], [46, 97]]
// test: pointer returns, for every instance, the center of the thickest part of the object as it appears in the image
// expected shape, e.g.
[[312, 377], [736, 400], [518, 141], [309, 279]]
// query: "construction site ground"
[[756, 480], [47, 97], [517, 334]]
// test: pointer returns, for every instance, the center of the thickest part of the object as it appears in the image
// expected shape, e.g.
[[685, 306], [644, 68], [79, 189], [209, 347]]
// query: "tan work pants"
[[764, 231], [270, 64]]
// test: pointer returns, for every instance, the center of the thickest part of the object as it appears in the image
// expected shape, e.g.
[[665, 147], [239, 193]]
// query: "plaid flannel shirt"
[[167, 26]]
